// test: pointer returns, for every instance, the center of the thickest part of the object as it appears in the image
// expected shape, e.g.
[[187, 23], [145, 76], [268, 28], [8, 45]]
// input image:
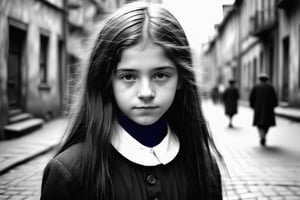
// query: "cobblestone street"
[[24, 181], [254, 172]]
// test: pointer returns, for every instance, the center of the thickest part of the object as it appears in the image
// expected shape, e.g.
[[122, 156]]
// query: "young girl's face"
[[145, 83]]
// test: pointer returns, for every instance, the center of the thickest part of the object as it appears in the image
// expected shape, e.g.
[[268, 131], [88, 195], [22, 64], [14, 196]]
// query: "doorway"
[[285, 70], [14, 70]]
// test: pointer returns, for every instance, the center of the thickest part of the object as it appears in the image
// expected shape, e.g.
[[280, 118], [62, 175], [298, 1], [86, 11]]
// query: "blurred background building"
[[254, 37], [41, 44]]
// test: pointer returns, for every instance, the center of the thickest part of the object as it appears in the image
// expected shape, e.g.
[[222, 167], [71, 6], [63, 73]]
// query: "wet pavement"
[[254, 172]]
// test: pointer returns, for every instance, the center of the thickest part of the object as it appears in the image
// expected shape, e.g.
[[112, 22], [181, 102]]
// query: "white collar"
[[134, 151]]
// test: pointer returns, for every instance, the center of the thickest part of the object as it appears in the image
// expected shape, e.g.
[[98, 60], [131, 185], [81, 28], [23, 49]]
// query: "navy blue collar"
[[148, 135]]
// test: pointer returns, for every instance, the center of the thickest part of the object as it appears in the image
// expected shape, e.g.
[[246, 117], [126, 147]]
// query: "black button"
[[151, 179], [156, 198]]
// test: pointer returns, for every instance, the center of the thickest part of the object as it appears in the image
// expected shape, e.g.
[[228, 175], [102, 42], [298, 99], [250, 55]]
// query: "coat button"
[[151, 179], [156, 198]]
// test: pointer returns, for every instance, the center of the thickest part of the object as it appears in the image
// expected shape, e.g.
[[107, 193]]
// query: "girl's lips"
[[146, 107]]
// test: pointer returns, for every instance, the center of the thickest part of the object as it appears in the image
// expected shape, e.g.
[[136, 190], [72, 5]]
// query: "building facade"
[[263, 36], [32, 57], [258, 44], [41, 46], [289, 51]]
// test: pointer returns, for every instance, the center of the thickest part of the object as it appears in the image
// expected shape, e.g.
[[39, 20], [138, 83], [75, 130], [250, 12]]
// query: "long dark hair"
[[94, 112]]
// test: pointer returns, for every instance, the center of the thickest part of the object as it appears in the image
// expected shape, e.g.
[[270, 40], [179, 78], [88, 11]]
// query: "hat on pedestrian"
[[231, 81], [263, 76]]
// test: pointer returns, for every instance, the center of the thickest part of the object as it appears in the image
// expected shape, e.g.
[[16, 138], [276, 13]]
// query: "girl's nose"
[[146, 91]]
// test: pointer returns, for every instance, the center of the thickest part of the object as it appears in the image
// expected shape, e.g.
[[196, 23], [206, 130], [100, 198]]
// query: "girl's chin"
[[145, 121]]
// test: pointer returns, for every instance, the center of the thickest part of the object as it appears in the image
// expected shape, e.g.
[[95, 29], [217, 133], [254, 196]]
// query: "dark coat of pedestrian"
[[230, 99], [263, 99]]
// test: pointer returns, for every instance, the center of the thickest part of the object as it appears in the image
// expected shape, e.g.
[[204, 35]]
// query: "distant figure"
[[263, 99], [230, 99], [215, 95], [221, 88]]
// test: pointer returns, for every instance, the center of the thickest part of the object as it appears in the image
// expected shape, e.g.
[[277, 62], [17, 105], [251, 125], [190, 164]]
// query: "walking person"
[[215, 95], [230, 99], [263, 99], [137, 130]]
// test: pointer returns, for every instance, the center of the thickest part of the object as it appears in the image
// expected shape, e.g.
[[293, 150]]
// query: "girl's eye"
[[128, 77], [160, 76]]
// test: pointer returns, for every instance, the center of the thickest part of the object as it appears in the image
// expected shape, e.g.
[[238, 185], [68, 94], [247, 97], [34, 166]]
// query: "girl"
[[137, 131]]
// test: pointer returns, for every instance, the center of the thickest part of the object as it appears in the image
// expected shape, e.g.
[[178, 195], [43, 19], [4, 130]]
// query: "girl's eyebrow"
[[137, 69], [126, 70], [165, 68]]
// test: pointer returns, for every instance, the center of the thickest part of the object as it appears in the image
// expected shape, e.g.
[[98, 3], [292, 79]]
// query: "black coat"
[[263, 99], [230, 99], [131, 181]]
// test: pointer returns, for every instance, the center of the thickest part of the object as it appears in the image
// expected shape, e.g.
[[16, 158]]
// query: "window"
[[43, 59], [271, 63], [261, 66]]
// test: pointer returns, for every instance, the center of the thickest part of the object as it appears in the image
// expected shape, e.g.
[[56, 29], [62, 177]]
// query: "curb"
[[280, 112], [291, 117], [5, 169], [37, 143]]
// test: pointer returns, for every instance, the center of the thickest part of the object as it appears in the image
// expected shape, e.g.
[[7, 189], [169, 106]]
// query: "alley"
[[254, 172]]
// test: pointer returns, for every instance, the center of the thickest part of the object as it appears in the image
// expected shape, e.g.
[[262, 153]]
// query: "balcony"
[[262, 22]]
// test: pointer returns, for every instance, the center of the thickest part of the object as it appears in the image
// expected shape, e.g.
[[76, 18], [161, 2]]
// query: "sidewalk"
[[255, 172], [17, 151], [290, 113], [282, 111]]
